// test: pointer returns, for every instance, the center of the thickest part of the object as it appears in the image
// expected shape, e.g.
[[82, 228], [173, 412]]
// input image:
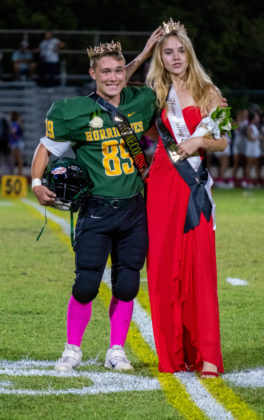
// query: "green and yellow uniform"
[[102, 150]]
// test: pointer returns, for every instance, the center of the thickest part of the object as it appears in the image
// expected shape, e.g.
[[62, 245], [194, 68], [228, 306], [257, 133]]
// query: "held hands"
[[44, 195]]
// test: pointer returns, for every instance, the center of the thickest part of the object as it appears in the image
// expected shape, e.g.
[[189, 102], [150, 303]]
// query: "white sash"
[[181, 133], [178, 125]]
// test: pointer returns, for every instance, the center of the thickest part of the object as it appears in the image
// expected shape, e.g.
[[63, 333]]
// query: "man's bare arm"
[[145, 54], [39, 163]]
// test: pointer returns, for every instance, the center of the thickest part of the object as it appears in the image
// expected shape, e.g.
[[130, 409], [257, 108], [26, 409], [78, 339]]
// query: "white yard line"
[[108, 382], [6, 203], [103, 382], [250, 378], [202, 397], [31, 364], [59, 220], [236, 282]]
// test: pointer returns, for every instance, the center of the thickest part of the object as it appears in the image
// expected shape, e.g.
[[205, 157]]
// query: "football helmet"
[[70, 181]]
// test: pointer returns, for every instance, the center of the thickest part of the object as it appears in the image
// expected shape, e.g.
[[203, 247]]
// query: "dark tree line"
[[228, 35]]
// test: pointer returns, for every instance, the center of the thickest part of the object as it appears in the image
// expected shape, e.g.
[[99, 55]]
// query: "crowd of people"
[[11, 143], [241, 164], [41, 63]]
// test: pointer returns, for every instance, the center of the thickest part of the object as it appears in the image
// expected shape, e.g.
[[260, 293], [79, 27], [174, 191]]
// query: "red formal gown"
[[181, 267]]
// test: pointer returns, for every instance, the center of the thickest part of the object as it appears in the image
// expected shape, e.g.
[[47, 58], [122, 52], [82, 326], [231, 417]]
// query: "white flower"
[[207, 126], [96, 122], [227, 127]]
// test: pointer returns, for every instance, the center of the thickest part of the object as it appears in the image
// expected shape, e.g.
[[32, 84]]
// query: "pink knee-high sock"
[[120, 314], [78, 316]]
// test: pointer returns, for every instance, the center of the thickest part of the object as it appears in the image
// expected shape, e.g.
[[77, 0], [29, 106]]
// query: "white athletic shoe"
[[115, 359], [70, 359]]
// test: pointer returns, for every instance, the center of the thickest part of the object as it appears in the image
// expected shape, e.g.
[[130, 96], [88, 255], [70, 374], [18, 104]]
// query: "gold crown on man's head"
[[172, 26], [102, 49]]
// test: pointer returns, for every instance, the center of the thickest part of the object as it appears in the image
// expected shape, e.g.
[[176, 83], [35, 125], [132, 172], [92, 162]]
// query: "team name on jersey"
[[110, 133]]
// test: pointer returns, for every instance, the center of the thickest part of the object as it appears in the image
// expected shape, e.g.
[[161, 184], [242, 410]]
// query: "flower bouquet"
[[216, 124]]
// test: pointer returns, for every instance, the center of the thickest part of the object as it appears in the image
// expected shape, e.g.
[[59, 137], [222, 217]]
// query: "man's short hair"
[[116, 56]]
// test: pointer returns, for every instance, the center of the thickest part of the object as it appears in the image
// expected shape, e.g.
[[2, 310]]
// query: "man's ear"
[[92, 73]]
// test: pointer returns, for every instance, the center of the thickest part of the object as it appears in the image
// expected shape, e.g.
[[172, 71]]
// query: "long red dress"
[[181, 268]]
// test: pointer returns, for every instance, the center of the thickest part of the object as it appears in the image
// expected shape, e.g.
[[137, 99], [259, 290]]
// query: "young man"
[[114, 219]]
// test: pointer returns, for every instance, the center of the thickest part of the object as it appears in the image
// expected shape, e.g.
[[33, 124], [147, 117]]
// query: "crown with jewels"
[[172, 26], [102, 49]]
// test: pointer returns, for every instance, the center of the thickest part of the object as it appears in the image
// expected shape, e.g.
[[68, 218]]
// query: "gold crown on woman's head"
[[102, 49], [172, 26]]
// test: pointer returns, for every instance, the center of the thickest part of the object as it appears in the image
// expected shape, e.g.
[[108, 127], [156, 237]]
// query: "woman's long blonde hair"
[[198, 82]]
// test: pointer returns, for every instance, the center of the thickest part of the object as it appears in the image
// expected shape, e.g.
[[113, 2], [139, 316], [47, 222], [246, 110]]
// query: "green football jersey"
[[101, 149]]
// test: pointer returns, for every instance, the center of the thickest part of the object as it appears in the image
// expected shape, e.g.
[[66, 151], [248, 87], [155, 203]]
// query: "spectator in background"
[[222, 180], [23, 64], [261, 129], [16, 141], [49, 61], [6, 166], [253, 150], [239, 145]]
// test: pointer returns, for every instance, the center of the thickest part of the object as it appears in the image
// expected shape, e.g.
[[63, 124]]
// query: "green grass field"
[[36, 280]]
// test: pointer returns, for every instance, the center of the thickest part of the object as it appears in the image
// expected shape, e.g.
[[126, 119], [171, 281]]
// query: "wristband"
[[36, 182]]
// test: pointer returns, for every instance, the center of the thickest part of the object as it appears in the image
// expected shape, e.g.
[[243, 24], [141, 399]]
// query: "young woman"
[[239, 146], [253, 149], [181, 258]]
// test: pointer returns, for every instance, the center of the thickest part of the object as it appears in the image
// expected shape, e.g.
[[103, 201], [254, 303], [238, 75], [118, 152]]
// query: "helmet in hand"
[[70, 181]]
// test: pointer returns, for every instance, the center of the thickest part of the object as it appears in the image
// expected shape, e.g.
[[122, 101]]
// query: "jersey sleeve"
[[56, 128], [56, 148]]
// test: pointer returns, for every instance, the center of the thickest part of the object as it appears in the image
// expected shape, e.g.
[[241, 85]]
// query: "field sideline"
[[35, 287]]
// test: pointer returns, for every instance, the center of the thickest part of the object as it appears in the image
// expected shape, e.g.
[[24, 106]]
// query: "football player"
[[113, 221]]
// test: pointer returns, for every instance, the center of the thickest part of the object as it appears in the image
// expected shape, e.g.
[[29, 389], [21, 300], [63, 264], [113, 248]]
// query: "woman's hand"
[[151, 42], [145, 54], [189, 147]]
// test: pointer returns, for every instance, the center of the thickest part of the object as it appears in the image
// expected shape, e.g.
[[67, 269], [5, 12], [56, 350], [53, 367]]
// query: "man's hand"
[[39, 163], [44, 195], [223, 103]]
